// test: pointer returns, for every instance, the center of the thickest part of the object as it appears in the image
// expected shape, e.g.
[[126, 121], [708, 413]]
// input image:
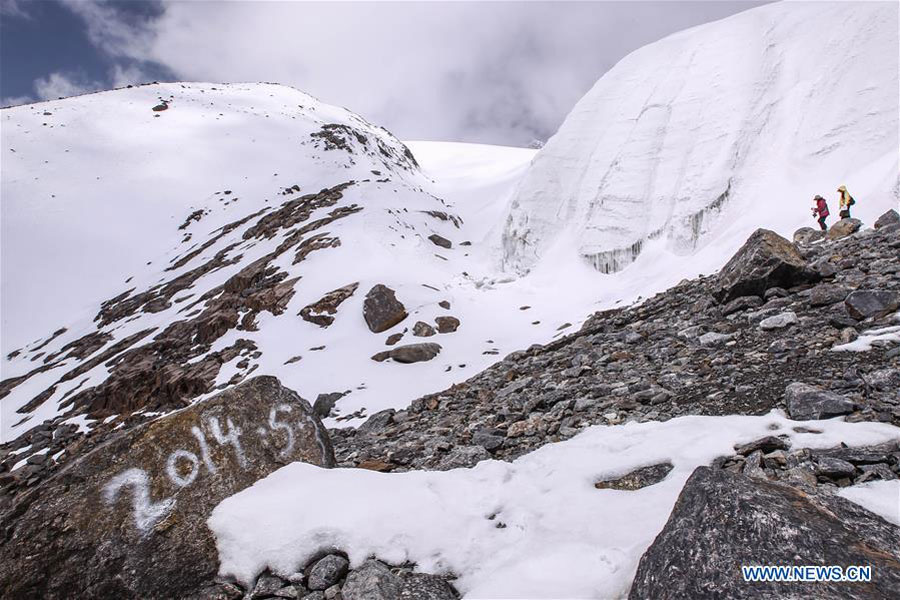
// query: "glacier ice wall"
[[722, 122]]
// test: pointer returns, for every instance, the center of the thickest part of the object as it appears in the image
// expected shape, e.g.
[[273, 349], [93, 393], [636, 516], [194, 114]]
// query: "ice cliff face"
[[730, 125]]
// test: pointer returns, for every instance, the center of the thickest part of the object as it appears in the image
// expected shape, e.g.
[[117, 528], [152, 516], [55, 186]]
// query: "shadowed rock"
[[807, 402], [891, 217], [723, 521], [412, 353], [862, 304], [766, 260]]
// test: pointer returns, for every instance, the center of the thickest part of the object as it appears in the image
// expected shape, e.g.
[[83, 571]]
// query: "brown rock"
[[447, 324], [381, 309], [320, 311]]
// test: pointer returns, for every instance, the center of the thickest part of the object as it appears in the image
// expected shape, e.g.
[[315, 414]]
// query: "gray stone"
[[779, 321], [834, 468], [712, 338], [742, 303], [373, 580], [440, 241], [463, 457], [265, 587], [381, 309], [808, 235], [422, 586], [766, 444], [827, 293], [128, 518], [327, 571], [411, 353], [423, 329], [637, 479], [862, 304], [843, 228], [488, 441], [377, 422], [766, 260], [324, 403], [722, 521], [891, 217], [806, 403]]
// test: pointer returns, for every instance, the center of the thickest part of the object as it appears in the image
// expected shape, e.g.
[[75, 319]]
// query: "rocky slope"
[[807, 327], [706, 346]]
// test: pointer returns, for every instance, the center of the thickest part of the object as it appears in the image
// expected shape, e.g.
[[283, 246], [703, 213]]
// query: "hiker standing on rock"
[[846, 202], [821, 210]]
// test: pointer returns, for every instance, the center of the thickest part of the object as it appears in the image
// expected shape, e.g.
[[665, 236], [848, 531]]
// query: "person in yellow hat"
[[846, 201]]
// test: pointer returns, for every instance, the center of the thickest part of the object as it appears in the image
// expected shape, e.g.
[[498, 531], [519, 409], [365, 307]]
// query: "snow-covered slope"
[[136, 242], [691, 143]]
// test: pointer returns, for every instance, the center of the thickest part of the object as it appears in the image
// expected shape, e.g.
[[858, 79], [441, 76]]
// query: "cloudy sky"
[[499, 72]]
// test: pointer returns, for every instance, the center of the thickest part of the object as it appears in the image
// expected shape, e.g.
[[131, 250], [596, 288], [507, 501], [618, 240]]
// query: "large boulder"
[[807, 403], [723, 521], [381, 309], [862, 304], [843, 228], [766, 260], [891, 217], [128, 518]]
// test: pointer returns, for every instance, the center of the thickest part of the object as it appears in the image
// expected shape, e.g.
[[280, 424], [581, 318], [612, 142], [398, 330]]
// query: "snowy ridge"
[[715, 131]]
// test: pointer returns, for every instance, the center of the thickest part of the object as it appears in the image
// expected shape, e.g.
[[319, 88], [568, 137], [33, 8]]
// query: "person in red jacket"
[[821, 210]]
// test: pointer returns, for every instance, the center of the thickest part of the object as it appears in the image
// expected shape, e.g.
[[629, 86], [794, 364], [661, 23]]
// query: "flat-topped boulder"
[[128, 518]]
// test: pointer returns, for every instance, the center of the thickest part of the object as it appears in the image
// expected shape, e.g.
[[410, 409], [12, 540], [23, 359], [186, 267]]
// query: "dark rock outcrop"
[[890, 218], [723, 521], [128, 519], [381, 309], [320, 312], [766, 260]]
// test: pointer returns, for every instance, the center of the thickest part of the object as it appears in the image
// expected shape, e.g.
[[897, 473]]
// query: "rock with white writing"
[[128, 518]]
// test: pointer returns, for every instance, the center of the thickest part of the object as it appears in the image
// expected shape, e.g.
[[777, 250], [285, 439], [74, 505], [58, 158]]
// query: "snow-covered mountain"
[[690, 143], [153, 256]]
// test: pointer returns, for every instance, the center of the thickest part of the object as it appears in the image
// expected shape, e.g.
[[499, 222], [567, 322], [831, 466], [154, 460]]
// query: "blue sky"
[[500, 72], [43, 38]]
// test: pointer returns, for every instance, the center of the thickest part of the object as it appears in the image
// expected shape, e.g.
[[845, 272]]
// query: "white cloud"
[[505, 72], [15, 100], [60, 85]]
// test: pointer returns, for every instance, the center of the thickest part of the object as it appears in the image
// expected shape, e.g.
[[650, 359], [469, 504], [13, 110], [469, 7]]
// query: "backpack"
[[852, 201]]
